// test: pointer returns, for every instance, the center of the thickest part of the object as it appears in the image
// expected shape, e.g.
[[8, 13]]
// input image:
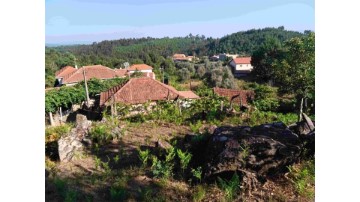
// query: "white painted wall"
[[244, 67], [132, 71]]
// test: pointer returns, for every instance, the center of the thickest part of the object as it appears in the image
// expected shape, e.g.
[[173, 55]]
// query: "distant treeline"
[[155, 51]]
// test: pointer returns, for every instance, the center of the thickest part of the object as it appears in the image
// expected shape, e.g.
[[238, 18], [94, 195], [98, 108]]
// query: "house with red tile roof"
[[241, 66], [142, 90], [182, 57], [140, 68], [240, 97], [71, 76]]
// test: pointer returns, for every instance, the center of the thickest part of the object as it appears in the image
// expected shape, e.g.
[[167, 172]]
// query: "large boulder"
[[73, 142], [260, 150], [304, 127]]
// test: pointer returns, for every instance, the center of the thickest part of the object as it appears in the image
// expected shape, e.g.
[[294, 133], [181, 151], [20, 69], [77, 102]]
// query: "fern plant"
[[197, 173], [185, 158], [144, 156], [230, 187]]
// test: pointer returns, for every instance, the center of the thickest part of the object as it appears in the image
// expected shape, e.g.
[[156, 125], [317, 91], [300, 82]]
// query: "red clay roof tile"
[[141, 90], [139, 67], [64, 71], [94, 71], [242, 60]]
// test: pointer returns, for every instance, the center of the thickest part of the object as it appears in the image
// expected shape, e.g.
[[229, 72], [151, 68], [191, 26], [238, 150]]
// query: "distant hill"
[[246, 42], [154, 51]]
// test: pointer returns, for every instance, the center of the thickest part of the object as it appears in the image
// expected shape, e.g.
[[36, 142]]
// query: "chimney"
[[75, 66]]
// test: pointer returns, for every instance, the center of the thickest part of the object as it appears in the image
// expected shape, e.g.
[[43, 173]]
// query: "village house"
[[70, 76], [223, 56], [138, 91], [145, 69], [241, 66], [239, 97], [182, 57]]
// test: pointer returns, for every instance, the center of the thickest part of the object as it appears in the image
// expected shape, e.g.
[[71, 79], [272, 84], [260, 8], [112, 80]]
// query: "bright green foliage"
[[116, 158], [303, 178], [197, 173], [101, 133], [195, 127], [97, 162], [208, 108], [161, 168], [64, 97], [295, 72], [54, 133], [265, 97], [259, 117], [184, 157], [199, 194], [67, 96], [230, 187], [144, 156], [170, 155]]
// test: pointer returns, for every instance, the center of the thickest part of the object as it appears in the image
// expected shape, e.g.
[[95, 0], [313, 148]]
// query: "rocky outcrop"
[[253, 151], [73, 142]]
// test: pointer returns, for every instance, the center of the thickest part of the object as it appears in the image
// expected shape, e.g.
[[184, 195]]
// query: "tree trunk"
[[51, 119], [301, 109]]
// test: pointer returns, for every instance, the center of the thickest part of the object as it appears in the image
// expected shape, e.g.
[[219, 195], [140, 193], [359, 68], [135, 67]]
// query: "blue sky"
[[86, 21]]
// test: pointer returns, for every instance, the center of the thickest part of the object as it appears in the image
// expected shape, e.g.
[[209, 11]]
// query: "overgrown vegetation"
[[230, 187], [154, 174], [303, 177]]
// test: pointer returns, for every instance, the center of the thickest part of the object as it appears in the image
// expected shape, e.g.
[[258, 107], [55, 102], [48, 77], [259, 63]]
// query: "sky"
[[87, 21]]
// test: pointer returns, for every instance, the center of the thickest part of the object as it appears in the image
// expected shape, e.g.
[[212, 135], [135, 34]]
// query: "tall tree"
[[295, 71], [263, 58]]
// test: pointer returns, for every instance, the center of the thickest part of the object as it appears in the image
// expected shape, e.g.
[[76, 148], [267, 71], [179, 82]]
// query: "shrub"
[[268, 104], [197, 173], [195, 127], [161, 169], [199, 194], [230, 187], [303, 177], [185, 158], [101, 133], [144, 156], [54, 133], [117, 193]]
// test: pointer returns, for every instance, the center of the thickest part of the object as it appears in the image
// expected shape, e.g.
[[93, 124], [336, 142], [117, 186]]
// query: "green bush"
[[161, 169], [184, 157], [101, 133], [230, 187], [54, 133], [199, 194], [195, 127], [303, 178], [117, 194], [268, 104]]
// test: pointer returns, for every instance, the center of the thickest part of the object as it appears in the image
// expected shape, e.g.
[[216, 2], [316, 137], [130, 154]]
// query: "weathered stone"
[[308, 122], [263, 149], [207, 129], [304, 127], [72, 143], [163, 144]]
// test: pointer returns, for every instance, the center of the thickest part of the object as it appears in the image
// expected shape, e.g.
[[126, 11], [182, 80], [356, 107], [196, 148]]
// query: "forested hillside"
[[154, 51]]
